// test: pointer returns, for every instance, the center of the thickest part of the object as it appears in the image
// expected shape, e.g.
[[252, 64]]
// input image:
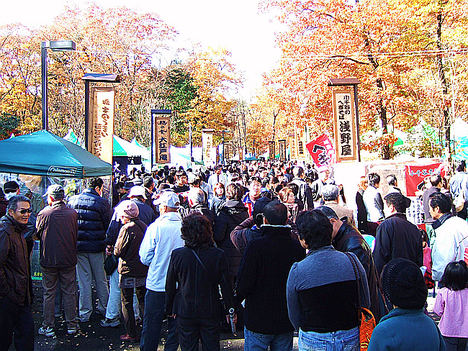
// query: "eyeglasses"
[[25, 210]]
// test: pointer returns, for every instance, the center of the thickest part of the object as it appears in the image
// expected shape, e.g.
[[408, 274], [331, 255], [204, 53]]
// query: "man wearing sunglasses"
[[16, 319]]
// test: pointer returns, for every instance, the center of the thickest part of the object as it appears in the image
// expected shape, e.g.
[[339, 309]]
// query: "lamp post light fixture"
[[55, 45]]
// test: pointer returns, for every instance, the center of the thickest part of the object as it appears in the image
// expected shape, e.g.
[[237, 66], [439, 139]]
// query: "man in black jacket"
[[15, 278], [396, 236], [262, 282], [346, 238]]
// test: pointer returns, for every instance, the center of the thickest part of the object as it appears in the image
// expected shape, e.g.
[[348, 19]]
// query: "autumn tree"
[[20, 96], [337, 38], [217, 80]]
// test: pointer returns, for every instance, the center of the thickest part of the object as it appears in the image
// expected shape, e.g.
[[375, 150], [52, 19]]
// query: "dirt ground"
[[92, 337]]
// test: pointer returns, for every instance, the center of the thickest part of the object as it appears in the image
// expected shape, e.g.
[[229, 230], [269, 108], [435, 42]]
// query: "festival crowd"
[[267, 248]]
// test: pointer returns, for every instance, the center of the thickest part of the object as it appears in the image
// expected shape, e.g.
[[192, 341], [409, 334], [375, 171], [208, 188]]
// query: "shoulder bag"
[[365, 317]]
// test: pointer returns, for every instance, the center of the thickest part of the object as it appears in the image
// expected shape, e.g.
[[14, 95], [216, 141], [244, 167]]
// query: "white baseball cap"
[[169, 199], [137, 190]]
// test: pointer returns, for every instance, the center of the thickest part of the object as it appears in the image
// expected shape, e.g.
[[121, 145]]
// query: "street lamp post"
[[224, 155], [55, 45]]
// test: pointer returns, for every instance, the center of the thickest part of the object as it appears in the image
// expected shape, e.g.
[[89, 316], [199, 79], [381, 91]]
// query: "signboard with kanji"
[[101, 126], [282, 150], [209, 153], [344, 124], [322, 151], [271, 149], [162, 137]]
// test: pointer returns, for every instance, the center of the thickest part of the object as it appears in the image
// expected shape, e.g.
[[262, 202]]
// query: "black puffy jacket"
[[231, 214], [94, 215]]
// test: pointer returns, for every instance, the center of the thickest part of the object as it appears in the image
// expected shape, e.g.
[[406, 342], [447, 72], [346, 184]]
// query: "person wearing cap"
[[57, 230], [147, 216], [396, 236], [11, 188], [16, 320], [138, 195], [406, 327], [161, 238], [125, 189], [94, 215], [132, 271]]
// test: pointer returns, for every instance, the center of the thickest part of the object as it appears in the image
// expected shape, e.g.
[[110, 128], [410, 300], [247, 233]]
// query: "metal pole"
[[223, 149], [45, 122], [357, 121], [152, 139], [190, 142], [86, 118]]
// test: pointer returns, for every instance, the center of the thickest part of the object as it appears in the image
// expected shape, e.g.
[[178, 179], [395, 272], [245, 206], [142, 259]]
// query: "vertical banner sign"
[[282, 150], [322, 151], [209, 155], [101, 126], [293, 147], [344, 125], [271, 149], [162, 138]]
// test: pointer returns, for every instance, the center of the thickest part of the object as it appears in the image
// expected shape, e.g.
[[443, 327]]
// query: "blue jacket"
[[94, 215], [406, 330]]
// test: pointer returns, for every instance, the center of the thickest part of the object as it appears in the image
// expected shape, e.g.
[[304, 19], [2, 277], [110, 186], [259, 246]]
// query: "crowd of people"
[[269, 247]]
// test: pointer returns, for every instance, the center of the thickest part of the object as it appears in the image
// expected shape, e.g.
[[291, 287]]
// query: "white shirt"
[[161, 238], [374, 213], [450, 244]]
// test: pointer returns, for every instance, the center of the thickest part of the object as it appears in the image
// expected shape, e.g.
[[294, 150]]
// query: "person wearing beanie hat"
[[406, 327], [133, 272]]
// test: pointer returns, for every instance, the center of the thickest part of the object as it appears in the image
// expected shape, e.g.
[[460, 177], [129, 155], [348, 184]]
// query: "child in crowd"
[[452, 306]]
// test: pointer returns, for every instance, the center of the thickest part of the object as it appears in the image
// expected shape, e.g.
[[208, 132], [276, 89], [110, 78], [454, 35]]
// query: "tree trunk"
[[443, 78]]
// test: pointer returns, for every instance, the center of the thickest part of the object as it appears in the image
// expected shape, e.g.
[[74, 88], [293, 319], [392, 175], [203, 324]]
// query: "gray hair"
[[327, 211], [298, 171], [14, 200], [196, 196], [330, 192]]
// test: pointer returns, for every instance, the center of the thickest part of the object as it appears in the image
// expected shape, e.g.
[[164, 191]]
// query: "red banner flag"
[[322, 151], [415, 176]]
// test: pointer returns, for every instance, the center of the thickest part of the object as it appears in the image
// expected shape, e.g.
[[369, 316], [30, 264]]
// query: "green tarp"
[[43, 153]]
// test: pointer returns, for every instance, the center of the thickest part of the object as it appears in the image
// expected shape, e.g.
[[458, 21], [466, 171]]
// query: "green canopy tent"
[[43, 153]]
